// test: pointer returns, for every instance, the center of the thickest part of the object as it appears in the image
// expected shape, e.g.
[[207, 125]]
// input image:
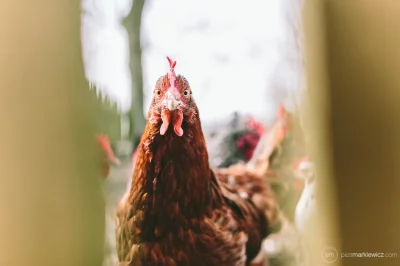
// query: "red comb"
[[255, 125], [172, 63], [171, 74]]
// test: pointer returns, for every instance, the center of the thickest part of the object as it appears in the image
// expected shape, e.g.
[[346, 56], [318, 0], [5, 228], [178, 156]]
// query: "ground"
[[114, 188]]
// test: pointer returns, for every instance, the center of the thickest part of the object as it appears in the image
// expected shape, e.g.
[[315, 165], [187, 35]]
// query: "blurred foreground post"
[[356, 96], [324, 231], [52, 211]]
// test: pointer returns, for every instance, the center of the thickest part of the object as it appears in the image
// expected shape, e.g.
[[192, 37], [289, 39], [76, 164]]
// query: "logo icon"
[[329, 255]]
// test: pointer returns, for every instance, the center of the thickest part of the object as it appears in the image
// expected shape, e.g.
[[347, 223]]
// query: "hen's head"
[[304, 169], [248, 141], [172, 102], [235, 141]]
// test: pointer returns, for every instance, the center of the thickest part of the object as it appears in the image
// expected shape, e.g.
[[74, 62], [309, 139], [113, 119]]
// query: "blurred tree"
[[133, 25], [50, 194]]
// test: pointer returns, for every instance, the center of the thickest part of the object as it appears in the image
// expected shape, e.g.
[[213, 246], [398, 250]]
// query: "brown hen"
[[177, 212], [273, 161]]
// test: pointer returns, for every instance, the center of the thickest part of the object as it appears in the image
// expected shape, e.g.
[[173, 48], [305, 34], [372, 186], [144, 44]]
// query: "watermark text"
[[368, 255], [330, 255]]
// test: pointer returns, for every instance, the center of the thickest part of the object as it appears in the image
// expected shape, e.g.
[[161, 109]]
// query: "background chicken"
[[305, 209], [305, 205], [233, 141], [289, 247], [177, 211], [275, 160], [276, 156], [108, 157]]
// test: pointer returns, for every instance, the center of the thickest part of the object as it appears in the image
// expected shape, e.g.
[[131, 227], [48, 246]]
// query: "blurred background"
[[247, 56], [326, 70]]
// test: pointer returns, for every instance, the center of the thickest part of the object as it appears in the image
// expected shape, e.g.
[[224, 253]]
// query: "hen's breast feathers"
[[230, 233], [240, 211]]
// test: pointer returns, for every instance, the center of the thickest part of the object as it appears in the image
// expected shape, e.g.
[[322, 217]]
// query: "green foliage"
[[108, 116]]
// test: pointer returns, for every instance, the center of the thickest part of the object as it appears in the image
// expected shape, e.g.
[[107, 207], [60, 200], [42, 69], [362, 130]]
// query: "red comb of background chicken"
[[256, 126], [248, 142], [109, 156]]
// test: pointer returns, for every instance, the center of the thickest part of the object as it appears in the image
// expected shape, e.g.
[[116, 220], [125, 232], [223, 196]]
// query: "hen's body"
[[177, 212]]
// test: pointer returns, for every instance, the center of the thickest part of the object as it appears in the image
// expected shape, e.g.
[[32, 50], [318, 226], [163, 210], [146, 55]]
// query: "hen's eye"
[[186, 93], [158, 92]]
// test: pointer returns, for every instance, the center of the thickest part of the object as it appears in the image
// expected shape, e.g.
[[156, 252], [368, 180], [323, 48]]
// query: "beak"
[[114, 161], [171, 102]]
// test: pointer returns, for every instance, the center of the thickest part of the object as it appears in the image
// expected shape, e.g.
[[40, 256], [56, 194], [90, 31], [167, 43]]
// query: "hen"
[[177, 211]]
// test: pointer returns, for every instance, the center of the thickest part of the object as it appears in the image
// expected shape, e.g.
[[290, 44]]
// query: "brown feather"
[[179, 212]]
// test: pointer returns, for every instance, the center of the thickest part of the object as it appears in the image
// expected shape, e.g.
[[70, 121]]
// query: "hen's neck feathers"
[[172, 174]]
